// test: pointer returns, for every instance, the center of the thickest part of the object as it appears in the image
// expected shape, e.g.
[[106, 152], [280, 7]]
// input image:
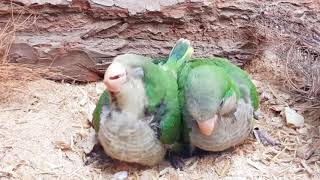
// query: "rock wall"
[[80, 37]]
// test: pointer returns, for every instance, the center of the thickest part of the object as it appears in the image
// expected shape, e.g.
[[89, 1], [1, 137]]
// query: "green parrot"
[[138, 118], [218, 100]]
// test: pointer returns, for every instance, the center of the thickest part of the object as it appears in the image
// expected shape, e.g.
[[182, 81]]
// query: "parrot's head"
[[124, 80], [202, 101], [124, 70]]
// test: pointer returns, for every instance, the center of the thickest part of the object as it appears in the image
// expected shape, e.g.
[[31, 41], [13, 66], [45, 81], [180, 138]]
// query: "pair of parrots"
[[154, 107]]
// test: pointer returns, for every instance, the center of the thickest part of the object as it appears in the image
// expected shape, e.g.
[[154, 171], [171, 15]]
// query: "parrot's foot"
[[263, 137], [96, 155], [175, 160], [200, 153]]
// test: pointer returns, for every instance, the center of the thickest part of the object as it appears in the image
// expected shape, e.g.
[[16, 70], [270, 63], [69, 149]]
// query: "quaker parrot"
[[138, 117], [218, 100]]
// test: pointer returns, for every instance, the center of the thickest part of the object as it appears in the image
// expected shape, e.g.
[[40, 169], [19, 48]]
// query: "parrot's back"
[[236, 73]]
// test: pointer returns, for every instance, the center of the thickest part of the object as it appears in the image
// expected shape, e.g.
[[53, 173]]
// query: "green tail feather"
[[179, 54]]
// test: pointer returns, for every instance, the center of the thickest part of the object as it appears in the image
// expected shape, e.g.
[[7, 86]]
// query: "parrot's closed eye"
[[138, 72], [221, 103]]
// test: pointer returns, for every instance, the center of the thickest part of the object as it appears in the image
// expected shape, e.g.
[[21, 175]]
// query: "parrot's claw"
[[96, 155], [176, 161], [263, 137]]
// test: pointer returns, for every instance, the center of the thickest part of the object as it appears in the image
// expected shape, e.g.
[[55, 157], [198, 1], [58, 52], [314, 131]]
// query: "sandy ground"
[[44, 134]]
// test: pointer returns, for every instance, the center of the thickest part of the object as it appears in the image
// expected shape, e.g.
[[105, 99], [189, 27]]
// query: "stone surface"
[[104, 29], [293, 118]]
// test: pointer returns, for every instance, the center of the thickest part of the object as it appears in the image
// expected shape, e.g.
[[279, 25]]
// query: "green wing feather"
[[103, 100], [179, 54], [170, 124], [161, 87], [152, 78]]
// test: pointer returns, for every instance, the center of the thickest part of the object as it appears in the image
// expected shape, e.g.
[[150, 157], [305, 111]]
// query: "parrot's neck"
[[132, 98]]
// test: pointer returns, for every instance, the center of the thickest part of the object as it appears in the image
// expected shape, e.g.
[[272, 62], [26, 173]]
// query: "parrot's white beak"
[[114, 77], [206, 127]]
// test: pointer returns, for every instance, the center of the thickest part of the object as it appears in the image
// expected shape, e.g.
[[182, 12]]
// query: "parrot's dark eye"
[[221, 103]]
